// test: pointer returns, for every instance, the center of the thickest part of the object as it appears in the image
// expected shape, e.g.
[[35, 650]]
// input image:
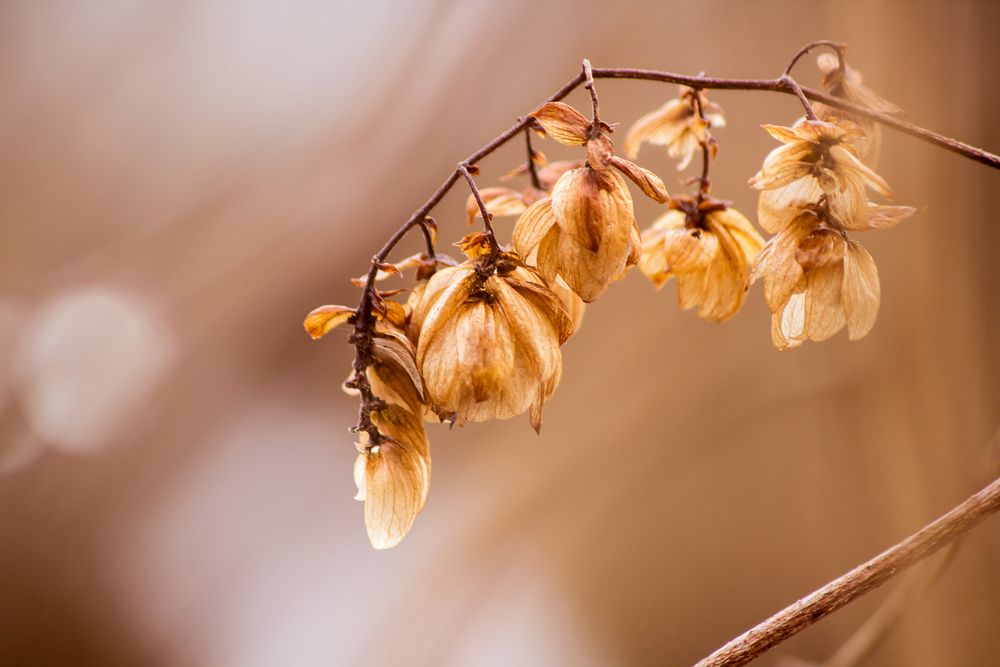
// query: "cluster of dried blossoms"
[[480, 339]]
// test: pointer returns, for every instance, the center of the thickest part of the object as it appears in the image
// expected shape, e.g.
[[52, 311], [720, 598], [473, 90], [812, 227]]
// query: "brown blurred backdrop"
[[181, 182]]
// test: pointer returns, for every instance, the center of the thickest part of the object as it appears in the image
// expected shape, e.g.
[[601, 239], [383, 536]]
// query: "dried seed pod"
[[816, 281], [393, 476], [677, 126], [710, 254], [488, 342], [818, 160]]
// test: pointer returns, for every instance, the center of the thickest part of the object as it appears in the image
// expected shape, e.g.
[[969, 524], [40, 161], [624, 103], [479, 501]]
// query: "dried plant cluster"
[[480, 339]]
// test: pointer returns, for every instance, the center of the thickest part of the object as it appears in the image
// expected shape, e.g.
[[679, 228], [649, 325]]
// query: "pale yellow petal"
[[861, 291], [532, 226]]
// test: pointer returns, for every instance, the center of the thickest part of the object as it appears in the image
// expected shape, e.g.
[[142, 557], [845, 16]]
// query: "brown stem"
[[791, 84], [588, 76], [860, 580], [487, 216], [838, 48], [778, 86], [706, 158], [532, 169]]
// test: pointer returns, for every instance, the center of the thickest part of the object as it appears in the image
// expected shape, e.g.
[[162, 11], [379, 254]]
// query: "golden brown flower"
[[817, 161], [393, 476], [586, 231], [676, 125], [488, 337], [817, 280], [845, 82], [709, 248]]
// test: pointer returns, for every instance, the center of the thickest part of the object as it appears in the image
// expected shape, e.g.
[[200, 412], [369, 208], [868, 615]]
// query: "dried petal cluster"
[[681, 125], [392, 471], [818, 160], [709, 248], [482, 339], [488, 338], [586, 231], [814, 191]]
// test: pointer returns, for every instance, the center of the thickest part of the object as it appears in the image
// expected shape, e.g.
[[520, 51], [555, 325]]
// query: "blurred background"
[[181, 182]]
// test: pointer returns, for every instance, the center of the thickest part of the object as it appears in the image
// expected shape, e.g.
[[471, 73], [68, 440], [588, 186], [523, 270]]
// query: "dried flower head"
[[393, 476], [817, 280], [817, 160], [709, 248], [677, 125], [586, 232], [489, 336], [842, 80]]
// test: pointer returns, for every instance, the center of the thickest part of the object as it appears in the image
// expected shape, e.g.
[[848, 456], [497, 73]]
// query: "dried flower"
[[818, 160], [845, 82], [586, 232], [488, 337], [817, 280], [392, 473], [709, 248], [393, 476], [676, 125]]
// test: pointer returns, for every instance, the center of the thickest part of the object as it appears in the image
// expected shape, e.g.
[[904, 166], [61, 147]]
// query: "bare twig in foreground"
[[862, 579]]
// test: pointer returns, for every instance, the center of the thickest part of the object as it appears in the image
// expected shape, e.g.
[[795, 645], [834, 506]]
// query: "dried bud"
[[817, 160], [488, 345], [677, 126], [710, 254], [393, 476], [816, 281], [586, 232]]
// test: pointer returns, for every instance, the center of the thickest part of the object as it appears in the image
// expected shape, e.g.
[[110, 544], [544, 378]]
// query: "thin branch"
[[775, 85], [426, 225], [838, 48], [588, 77], [860, 580], [485, 212], [792, 85], [706, 157], [532, 168]]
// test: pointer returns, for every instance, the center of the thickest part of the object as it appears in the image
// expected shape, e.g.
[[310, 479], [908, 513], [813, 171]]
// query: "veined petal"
[[648, 182], [501, 202], [532, 226], [659, 127], [563, 123], [325, 319], [850, 162], [824, 310], [861, 291], [782, 273], [397, 477], [777, 208]]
